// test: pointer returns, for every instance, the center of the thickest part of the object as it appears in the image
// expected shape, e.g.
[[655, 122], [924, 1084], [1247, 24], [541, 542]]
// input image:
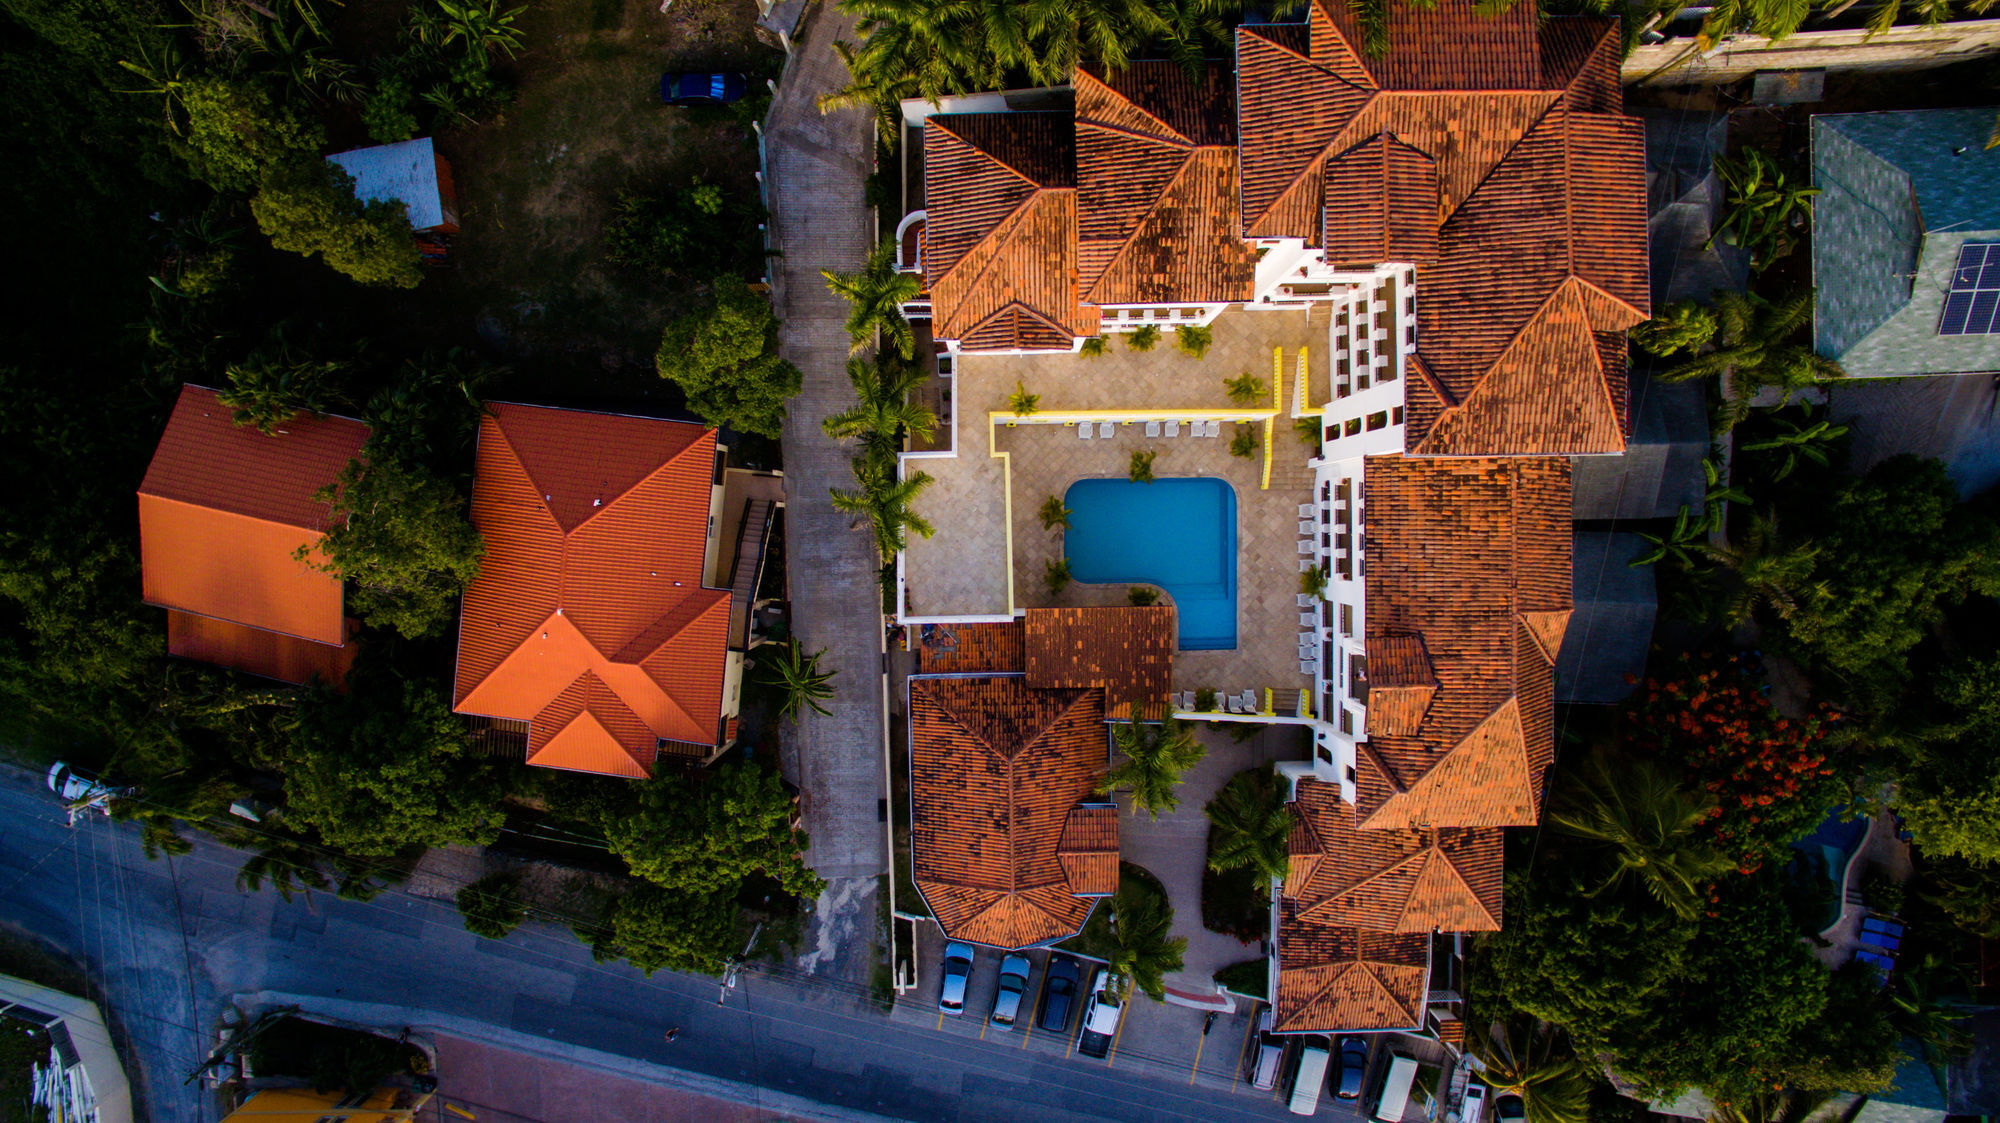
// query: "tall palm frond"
[[1644, 821], [1156, 755], [1249, 826], [877, 292], [1526, 1059]]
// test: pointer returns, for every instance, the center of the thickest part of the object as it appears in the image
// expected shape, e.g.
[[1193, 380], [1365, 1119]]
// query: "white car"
[[1012, 991], [1100, 1022], [80, 791]]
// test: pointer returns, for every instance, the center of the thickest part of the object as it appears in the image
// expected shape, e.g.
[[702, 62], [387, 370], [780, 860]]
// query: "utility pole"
[[729, 970]]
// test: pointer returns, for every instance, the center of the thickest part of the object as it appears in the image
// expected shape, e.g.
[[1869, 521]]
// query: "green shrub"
[[1250, 978], [1142, 595], [1204, 700], [1193, 341], [1244, 443], [1055, 575], [1092, 347], [1023, 403], [1245, 389], [493, 906], [1144, 338], [1142, 466], [1055, 516]]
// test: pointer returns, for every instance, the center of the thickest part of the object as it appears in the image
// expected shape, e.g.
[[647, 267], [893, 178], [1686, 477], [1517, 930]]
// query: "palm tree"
[[1101, 31], [1141, 950], [878, 291], [1524, 1060], [288, 864], [1646, 822], [801, 680], [1754, 346], [1922, 1006], [1765, 202], [1803, 439], [884, 411], [1682, 543], [885, 502], [1683, 325], [1766, 572], [1772, 1106], [1055, 516], [1249, 826], [1156, 754], [480, 25], [1193, 29]]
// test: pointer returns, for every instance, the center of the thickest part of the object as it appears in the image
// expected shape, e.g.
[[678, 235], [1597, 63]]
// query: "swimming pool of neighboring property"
[[1179, 534]]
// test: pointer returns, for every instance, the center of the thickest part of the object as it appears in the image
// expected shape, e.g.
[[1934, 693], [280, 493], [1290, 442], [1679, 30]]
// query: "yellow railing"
[[1277, 403], [1010, 419], [1301, 404]]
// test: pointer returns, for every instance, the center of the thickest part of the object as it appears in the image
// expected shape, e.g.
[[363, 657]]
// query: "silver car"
[[957, 969], [1013, 991]]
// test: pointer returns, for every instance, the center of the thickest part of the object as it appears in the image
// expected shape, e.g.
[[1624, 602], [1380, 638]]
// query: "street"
[[173, 941]]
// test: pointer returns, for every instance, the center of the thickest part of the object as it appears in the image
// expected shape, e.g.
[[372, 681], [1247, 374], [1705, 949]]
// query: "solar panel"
[[1974, 299]]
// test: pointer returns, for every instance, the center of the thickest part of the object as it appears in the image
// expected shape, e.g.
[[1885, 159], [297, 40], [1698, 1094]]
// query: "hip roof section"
[[1002, 849], [588, 619], [1471, 557], [1125, 651]]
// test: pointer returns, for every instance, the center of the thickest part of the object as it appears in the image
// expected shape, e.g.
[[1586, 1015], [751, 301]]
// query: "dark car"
[[1059, 993], [1353, 1067], [702, 89], [1510, 1109]]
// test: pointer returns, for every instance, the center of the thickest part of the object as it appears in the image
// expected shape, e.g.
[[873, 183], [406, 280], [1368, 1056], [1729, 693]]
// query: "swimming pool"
[[1179, 534]]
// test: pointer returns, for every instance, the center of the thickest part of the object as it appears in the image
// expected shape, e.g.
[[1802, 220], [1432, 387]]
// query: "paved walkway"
[[818, 165], [1174, 848]]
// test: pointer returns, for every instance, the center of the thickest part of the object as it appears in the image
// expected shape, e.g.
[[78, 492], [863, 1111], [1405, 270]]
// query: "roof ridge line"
[[1125, 246], [1555, 101], [1002, 229], [1273, 43], [1114, 92], [969, 143]]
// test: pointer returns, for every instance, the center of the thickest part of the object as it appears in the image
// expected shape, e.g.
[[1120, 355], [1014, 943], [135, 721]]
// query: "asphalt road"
[[172, 942]]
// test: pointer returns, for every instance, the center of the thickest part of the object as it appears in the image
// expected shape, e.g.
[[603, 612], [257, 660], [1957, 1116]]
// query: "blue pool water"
[[1179, 534]]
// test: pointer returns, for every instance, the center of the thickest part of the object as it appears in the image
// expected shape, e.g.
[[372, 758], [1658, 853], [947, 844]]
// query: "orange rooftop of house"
[[223, 511], [589, 620]]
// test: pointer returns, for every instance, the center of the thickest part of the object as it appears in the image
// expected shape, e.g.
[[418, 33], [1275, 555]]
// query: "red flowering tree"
[[1773, 775]]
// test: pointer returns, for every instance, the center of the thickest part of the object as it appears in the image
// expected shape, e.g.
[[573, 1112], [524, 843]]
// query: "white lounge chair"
[[1083, 429], [1104, 429], [1307, 527], [1249, 701], [1305, 546], [1187, 700], [1305, 510], [1307, 600], [1214, 429], [1152, 428], [1173, 428], [1308, 619], [1232, 705], [1306, 565], [1308, 669]]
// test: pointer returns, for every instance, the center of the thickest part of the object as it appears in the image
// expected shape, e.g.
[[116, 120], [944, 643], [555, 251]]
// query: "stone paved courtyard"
[[962, 570]]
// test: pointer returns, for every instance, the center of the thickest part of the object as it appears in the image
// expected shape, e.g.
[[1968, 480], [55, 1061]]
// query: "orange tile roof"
[[270, 654], [1000, 230], [1471, 557], [997, 773], [222, 510], [1126, 651], [964, 648], [1156, 187], [588, 619], [1388, 880], [1332, 979]]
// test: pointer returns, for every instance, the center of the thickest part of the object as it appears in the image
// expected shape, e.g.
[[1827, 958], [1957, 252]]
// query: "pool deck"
[[962, 570]]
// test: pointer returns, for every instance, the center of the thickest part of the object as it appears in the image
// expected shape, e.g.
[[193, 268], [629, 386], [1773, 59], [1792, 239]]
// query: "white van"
[[1270, 1051], [1394, 1098], [1310, 1076], [1474, 1107]]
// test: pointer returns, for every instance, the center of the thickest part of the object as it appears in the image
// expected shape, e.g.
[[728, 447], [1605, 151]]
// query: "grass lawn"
[[537, 184]]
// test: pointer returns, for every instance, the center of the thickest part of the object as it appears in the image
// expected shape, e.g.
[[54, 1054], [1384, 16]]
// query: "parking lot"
[[1165, 1042]]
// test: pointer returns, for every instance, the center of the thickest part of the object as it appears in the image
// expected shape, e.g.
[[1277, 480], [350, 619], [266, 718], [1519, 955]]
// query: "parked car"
[[1269, 1053], [80, 790], [1100, 1022], [1474, 1106], [1013, 989], [1353, 1068], [1309, 1077], [1510, 1109], [712, 88], [1059, 990], [957, 970]]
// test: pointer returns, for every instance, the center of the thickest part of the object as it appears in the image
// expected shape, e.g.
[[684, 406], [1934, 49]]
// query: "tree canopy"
[[309, 208], [725, 360], [658, 929], [386, 766], [709, 833], [400, 535]]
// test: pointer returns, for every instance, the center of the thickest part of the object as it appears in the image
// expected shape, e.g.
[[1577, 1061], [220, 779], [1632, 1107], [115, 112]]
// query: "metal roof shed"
[[410, 172]]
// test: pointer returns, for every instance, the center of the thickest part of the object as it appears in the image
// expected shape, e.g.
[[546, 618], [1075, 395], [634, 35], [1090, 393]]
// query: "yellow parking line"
[[1199, 1044], [1120, 1035], [940, 1020], [984, 1025], [1243, 1053]]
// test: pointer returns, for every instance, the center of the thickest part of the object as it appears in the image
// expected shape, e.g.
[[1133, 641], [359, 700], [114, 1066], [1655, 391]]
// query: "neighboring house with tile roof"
[[223, 511], [1011, 845], [597, 619], [1906, 242]]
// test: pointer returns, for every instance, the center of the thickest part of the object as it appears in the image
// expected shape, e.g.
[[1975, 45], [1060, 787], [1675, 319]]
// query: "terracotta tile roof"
[[1156, 187], [1388, 880], [1000, 230], [1446, 45], [1332, 979], [1127, 652], [1471, 556], [1289, 110], [997, 771], [222, 510], [271, 654], [1089, 849], [588, 619], [1401, 685], [1528, 278], [1394, 213], [962, 648]]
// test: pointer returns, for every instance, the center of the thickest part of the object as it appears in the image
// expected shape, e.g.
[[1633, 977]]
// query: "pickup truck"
[[1100, 1022]]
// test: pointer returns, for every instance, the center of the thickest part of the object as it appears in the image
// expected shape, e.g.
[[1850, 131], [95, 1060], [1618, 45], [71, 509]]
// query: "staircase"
[[750, 544]]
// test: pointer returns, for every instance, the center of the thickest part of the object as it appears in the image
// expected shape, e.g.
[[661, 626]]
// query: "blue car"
[[702, 89]]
